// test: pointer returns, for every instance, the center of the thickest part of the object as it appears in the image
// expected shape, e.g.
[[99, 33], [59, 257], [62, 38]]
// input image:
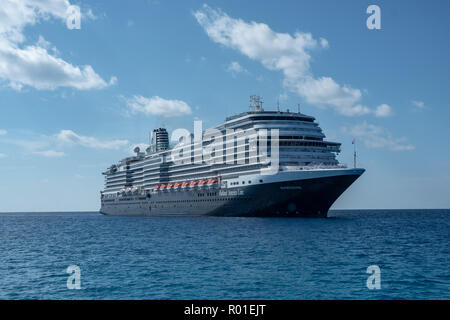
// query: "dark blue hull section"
[[304, 198], [296, 198]]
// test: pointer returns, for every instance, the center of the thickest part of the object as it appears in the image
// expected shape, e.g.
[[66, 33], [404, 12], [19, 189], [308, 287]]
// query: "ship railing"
[[323, 166], [315, 167]]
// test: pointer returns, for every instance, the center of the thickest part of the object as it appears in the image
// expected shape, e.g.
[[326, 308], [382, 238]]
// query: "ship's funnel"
[[159, 140]]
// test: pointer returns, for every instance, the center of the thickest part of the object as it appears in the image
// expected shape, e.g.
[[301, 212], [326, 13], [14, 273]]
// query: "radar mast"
[[256, 103]]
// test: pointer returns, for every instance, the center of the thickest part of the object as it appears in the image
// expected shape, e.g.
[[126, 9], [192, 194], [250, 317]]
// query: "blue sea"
[[226, 258]]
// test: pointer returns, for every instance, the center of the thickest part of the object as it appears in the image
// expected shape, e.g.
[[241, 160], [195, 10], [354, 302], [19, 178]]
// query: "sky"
[[76, 98]]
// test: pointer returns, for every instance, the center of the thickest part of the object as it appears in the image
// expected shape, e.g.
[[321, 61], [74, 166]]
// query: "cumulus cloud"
[[158, 106], [89, 14], [234, 68], [276, 51], [55, 145], [324, 43], [68, 137], [30, 145], [419, 105], [34, 65], [383, 110], [325, 91], [376, 137], [283, 52], [2, 155], [50, 153], [3, 132]]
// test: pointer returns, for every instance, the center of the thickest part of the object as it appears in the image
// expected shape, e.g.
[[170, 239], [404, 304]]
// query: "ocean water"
[[226, 258]]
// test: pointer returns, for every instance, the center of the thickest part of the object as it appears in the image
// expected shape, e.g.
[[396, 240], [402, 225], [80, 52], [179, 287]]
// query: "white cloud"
[[324, 43], [376, 137], [50, 153], [44, 43], [34, 65], [89, 14], [68, 137], [158, 106], [283, 96], [112, 81], [383, 110], [54, 145], [276, 51], [283, 52], [234, 67], [325, 91], [3, 132], [356, 110], [419, 105], [31, 145], [2, 155]]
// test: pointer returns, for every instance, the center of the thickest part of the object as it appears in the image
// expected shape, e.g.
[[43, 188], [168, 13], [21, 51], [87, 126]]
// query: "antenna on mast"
[[257, 103], [299, 108], [278, 104]]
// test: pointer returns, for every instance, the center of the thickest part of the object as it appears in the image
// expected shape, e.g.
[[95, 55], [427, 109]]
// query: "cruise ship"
[[256, 164]]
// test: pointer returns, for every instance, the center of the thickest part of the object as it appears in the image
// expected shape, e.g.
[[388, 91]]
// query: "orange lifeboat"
[[193, 184], [162, 187], [177, 185], [156, 187], [184, 184], [202, 183], [212, 182]]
